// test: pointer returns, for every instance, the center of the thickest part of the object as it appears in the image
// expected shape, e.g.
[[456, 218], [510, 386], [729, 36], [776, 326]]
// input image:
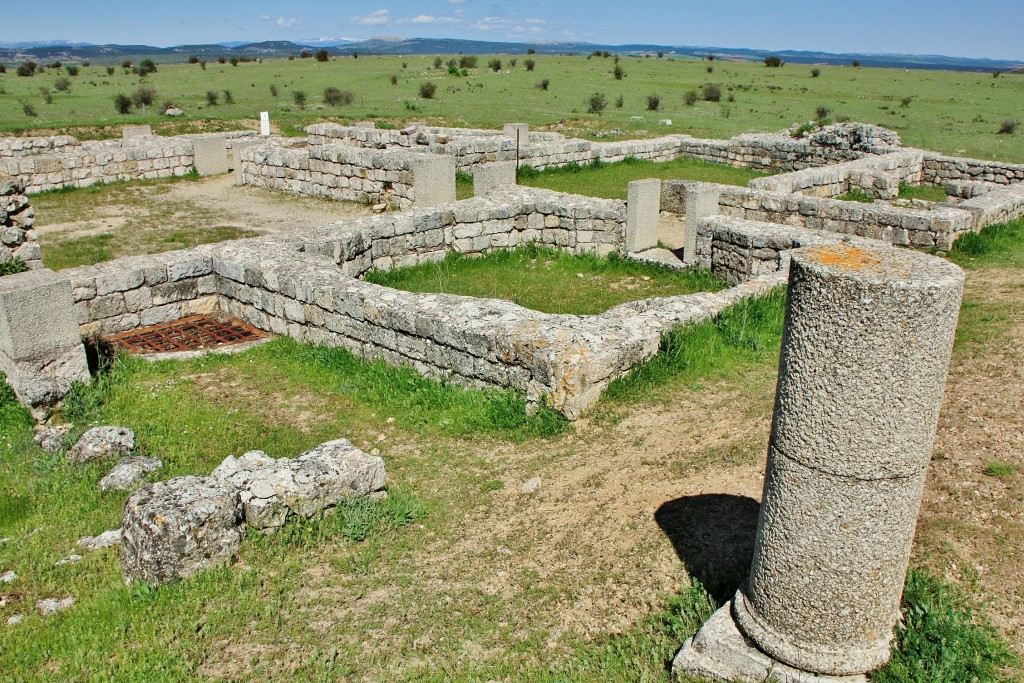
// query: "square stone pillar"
[[210, 155], [41, 352], [643, 206], [489, 176], [700, 200], [433, 178], [523, 129]]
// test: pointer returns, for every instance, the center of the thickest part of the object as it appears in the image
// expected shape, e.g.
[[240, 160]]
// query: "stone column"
[[643, 207], [496, 174], [433, 179], [700, 200], [210, 155], [866, 347]]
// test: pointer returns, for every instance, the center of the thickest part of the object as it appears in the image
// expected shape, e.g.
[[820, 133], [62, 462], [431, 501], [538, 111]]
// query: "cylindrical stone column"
[[865, 352]]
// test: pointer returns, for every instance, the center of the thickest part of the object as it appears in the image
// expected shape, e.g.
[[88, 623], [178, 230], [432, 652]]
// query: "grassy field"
[[528, 276], [952, 112]]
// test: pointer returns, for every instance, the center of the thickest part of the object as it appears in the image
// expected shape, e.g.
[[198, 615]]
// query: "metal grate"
[[188, 334]]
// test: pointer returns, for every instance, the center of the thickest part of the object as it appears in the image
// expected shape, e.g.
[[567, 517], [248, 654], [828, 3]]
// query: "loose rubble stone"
[[104, 540], [8, 577], [51, 439], [270, 490], [178, 528], [129, 473], [53, 605], [173, 111], [70, 559], [532, 486], [102, 443], [15, 619]]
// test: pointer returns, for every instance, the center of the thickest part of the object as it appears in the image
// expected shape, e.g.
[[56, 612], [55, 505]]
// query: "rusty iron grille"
[[188, 334]]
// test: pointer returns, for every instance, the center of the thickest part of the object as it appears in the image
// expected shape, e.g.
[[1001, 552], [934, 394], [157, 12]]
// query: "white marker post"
[[265, 124]]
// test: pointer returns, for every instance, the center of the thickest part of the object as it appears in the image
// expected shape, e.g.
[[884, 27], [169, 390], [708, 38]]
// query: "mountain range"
[[11, 52]]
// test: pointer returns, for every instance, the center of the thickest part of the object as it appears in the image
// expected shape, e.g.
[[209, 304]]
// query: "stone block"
[[236, 156], [128, 132], [37, 316], [643, 206], [700, 200], [487, 177], [210, 155], [522, 129], [433, 180]]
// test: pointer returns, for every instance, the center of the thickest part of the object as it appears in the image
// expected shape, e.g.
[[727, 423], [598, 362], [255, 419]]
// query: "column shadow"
[[713, 535]]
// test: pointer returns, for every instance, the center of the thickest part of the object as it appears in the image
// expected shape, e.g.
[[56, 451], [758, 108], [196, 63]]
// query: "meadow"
[[951, 112]]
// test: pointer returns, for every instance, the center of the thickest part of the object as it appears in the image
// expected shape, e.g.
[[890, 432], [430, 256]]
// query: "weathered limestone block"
[[271, 490], [177, 528], [129, 473], [102, 443], [433, 180], [643, 207], [129, 132], [210, 155], [489, 176]]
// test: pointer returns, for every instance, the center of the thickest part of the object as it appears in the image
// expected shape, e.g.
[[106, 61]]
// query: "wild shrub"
[[543, 84], [711, 92], [494, 65], [427, 90], [394, 79], [222, 60], [62, 85], [29, 109], [619, 101], [305, 54], [619, 72], [905, 102], [3, 68], [512, 63], [212, 98], [110, 71], [27, 69], [146, 67], [15, 265], [773, 62], [299, 97], [72, 69], [815, 73], [855, 64], [122, 103], [126, 64], [438, 62], [322, 55], [995, 74], [144, 96], [596, 103], [821, 112], [335, 97], [467, 62], [273, 90], [47, 95], [229, 98], [1008, 127], [193, 59], [710, 69], [529, 64], [653, 102], [690, 97]]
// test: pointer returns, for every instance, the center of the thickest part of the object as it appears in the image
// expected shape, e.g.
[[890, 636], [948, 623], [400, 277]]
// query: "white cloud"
[[265, 17], [375, 18], [288, 22], [427, 19], [456, 2]]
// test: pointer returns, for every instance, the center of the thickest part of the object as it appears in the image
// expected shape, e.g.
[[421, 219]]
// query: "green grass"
[[548, 280], [15, 265], [928, 193], [1000, 469], [1000, 246], [950, 111], [744, 335], [856, 195]]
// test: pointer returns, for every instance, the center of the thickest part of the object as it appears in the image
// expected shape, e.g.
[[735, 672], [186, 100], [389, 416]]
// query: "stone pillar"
[[433, 177], [128, 132], [41, 352], [700, 200], [496, 174], [236, 152], [643, 206], [210, 155], [265, 124], [866, 347]]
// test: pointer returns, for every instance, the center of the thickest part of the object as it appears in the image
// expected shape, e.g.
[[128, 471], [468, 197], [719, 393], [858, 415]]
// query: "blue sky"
[[978, 28]]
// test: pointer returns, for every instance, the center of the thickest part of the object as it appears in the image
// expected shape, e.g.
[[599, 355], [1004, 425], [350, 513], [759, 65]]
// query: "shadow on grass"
[[713, 534]]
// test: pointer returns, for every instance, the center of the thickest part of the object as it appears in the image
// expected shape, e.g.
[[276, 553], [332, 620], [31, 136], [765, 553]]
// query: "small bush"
[[855, 64], [653, 102], [3, 68], [147, 66], [126, 64], [222, 60], [47, 95], [529, 64], [212, 98], [995, 74], [619, 72], [72, 69], [815, 73], [62, 85], [15, 265], [821, 113], [273, 90], [323, 55], [773, 62], [531, 51], [596, 103], [710, 69], [29, 109], [110, 71], [438, 62], [427, 90], [494, 65], [394, 79], [711, 92], [1008, 127], [193, 59], [467, 62], [619, 102], [144, 96], [228, 97], [27, 69], [122, 103], [234, 61], [299, 97], [690, 97], [543, 84], [335, 97], [305, 54]]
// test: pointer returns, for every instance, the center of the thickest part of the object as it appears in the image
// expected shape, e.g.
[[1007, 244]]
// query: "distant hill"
[[109, 54]]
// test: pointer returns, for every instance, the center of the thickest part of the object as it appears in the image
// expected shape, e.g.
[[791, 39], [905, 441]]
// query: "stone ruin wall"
[[17, 237], [49, 163]]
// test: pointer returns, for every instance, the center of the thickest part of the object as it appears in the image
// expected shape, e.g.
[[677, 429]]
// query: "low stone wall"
[[17, 238], [877, 176], [998, 206], [27, 146], [936, 227], [939, 170]]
